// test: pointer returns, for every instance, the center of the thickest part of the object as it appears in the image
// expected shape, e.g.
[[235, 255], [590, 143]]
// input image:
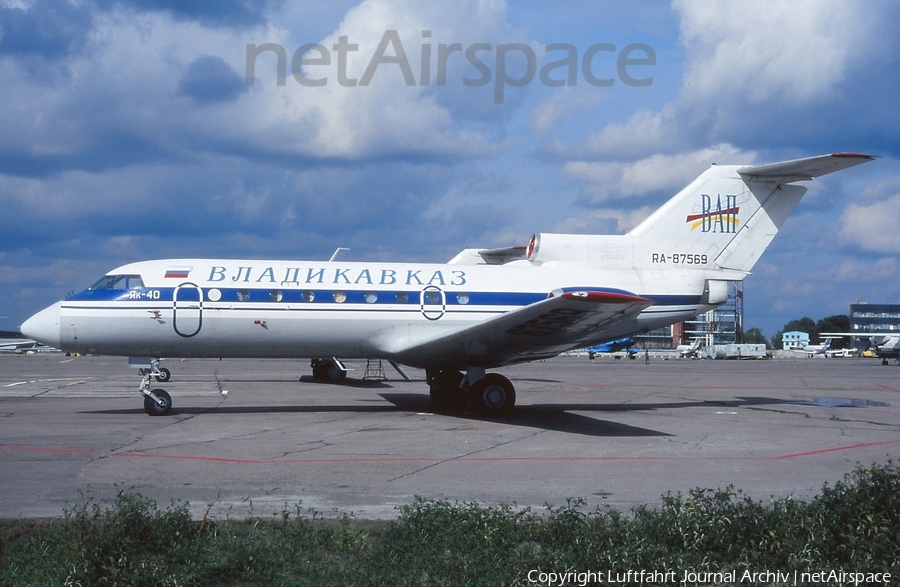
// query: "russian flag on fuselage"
[[178, 272]]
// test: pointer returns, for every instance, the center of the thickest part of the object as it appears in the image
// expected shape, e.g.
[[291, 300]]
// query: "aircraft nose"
[[44, 326]]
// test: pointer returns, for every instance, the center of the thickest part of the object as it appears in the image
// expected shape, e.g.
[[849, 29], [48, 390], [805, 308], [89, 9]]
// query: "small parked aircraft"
[[687, 351], [818, 349], [623, 344], [884, 345]]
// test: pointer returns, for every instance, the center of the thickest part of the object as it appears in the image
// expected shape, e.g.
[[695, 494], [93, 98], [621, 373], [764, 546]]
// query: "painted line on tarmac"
[[73, 380], [356, 460]]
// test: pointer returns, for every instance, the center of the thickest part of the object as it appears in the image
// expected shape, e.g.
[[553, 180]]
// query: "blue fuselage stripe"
[[347, 296]]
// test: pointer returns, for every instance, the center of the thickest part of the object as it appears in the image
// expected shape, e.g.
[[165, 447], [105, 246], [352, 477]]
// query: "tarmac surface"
[[256, 437]]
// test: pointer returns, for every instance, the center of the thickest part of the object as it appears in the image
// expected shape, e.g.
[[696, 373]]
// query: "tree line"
[[836, 323]]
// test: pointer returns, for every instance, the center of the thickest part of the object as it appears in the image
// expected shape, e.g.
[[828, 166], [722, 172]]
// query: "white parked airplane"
[[482, 310], [818, 349], [686, 351], [885, 345]]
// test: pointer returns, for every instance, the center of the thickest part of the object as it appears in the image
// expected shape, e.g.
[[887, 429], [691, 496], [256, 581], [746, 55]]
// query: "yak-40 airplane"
[[484, 309]]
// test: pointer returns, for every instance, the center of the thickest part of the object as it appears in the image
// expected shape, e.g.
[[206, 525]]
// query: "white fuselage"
[[282, 309]]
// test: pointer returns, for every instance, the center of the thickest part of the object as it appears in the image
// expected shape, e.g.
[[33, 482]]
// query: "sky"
[[133, 130]]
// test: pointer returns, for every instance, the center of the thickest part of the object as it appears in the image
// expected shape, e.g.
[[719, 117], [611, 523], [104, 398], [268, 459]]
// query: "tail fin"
[[731, 213]]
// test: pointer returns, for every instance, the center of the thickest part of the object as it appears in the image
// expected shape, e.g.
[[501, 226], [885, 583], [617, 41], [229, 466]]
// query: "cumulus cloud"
[[644, 131], [125, 102], [771, 75], [209, 79], [605, 181], [50, 29], [797, 51], [370, 105], [872, 227], [231, 13]]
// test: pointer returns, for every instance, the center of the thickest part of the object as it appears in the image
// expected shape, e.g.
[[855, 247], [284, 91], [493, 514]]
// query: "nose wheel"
[[157, 402], [163, 375]]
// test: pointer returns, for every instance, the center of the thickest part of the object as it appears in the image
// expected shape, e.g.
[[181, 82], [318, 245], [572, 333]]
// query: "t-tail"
[[723, 220]]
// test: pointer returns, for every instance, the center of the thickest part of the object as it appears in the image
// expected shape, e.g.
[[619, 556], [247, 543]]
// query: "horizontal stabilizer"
[[803, 169]]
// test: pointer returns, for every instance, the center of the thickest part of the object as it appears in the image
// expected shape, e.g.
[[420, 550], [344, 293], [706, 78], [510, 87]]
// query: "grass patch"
[[853, 525]]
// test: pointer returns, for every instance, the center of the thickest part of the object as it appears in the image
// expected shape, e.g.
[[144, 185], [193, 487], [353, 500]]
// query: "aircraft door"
[[433, 302], [187, 310]]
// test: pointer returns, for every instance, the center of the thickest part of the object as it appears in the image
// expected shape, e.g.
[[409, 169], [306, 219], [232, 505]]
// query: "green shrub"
[[129, 541]]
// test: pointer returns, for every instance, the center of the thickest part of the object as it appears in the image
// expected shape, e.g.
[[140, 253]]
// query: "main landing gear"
[[488, 394], [329, 370], [157, 402]]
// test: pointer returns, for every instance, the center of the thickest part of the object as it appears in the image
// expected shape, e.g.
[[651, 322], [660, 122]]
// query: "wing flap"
[[542, 329]]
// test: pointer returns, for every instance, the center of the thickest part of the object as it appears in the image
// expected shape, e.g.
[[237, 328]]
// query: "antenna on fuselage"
[[336, 252]]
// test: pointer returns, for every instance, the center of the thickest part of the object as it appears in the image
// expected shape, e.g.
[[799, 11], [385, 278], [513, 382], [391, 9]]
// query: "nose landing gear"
[[157, 402]]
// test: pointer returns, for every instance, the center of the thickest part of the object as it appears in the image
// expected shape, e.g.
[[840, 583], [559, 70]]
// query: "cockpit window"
[[105, 281], [118, 282]]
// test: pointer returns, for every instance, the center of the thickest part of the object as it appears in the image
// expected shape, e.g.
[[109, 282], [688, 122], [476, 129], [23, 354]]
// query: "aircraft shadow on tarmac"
[[348, 382], [560, 417]]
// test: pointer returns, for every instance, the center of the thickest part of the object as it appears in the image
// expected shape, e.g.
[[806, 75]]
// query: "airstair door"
[[433, 302], [187, 310]]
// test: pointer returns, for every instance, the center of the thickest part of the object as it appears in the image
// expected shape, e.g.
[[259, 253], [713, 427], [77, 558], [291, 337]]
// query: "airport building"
[[866, 317], [794, 339], [722, 325]]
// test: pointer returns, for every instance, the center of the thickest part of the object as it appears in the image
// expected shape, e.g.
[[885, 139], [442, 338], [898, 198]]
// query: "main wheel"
[[158, 409], [328, 371], [164, 375], [493, 396], [446, 393]]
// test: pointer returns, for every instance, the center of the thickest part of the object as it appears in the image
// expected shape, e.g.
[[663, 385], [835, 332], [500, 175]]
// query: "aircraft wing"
[[570, 320], [883, 337]]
